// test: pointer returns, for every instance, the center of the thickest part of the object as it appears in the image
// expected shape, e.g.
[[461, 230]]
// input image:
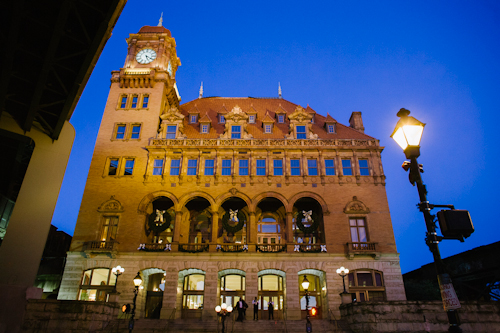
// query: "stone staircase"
[[247, 326]]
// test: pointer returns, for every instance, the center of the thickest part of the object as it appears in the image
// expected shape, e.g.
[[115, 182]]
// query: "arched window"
[[96, 284], [232, 289], [270, 288], [193, 295], [269, 230], [366, 285]]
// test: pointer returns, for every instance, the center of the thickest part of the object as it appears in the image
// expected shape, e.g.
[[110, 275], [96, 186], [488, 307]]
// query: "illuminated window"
[[366, 285], [235, 132], [346, 167], [330, 167], [96, 284], [363, 168], [175, 167], [226, 167], [209, 167], [192, 167], [261, 167], [301, 132], [134, 102], [193, 290], [295, 167], [136, 132], [312, 167], [278, 167], [158, 167], [145, 102], [109, 227], [120, 132], [243, 167], [171, 131], [129, 167]]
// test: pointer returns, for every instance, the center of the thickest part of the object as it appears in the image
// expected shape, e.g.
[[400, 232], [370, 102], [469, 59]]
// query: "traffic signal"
[[126, 308], [314, 311]]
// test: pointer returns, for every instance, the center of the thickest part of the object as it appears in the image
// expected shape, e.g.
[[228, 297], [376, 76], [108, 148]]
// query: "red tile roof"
[[155, 30], [211, 106]]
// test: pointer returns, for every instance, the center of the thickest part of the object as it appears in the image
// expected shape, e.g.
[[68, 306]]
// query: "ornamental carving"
[[172, 117], [300, 117], [237, 117], [112, 205], [356, 207]]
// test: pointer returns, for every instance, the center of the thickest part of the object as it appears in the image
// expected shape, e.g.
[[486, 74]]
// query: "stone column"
[[215, 226], [289, 229], [170, 294], [210, 296], [252, 229], [177, 226], [292, 294], [251, 289]]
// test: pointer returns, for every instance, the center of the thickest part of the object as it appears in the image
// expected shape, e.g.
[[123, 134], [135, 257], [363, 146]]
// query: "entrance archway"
[[232, 284], [271, 287], [316, 291]]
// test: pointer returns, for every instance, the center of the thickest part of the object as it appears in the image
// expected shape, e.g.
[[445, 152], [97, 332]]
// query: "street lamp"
[[342, 271], [137, 283], [223, 311], [118, 270], [305, 286], [407, 134]]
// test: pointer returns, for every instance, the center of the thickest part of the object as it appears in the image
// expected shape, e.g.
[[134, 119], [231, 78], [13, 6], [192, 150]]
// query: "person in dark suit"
[[255, 303], [270, 307], [240, 307]]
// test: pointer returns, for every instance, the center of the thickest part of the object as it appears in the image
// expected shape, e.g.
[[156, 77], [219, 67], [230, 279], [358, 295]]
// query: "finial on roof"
[[160, 24], [279, 90], [201, 90]]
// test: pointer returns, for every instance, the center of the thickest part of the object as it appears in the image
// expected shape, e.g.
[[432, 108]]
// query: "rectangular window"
[[113, 167], [330, 167], [175, 166], [171, 131], [261, 167], [358, 230], [226, 167], [192, 166], [235, 132], [346, 167], [312, 167], [209, 167], [136, 132], [281, 119], [363, 168], [193, 118], [145, 102], [278, 167], [158, 167], [129, 167], [123, 103], [295, 167], [109, 228], [243, 167], [204, 128], [331, 128], [134, 102], [268, 128], [120, 132], [222, 120], [301, 132], [251, 119]]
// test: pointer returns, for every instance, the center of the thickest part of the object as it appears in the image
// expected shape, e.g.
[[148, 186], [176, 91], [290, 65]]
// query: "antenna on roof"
[[201, 90], [160, 23], [279, 90]]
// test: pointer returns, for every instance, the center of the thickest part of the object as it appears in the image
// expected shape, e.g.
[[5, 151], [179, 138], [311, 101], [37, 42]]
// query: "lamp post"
[[305, 286], [342, 271], [118, 270], [137, 283], [407, 134], [223, 311]]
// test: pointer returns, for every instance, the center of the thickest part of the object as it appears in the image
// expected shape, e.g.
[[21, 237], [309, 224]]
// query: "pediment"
[[112, 205], [356, 207]]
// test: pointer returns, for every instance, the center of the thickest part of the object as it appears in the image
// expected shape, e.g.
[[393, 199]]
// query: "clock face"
[[145, 56]]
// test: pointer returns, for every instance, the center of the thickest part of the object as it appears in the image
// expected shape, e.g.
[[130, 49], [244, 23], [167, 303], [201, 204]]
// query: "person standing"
[[245, 307], [239, 306], [255, 303], [270, 307]]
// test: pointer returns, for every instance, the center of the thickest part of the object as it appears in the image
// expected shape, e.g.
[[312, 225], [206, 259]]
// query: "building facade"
[[220, 198]]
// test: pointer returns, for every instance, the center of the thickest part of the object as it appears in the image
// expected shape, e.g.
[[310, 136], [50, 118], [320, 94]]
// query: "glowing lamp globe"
[[408, 133]]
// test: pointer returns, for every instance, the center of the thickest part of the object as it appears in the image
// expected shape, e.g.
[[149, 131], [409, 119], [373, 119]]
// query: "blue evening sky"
[[439, 59]]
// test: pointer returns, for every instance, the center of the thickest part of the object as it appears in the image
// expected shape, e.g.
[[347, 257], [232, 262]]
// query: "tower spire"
[[279, 90], [201, 90], [160, 23]]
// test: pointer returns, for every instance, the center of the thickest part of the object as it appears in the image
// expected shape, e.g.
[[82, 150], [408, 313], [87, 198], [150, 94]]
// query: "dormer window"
[[222, 119], [301, 132], [204, 128], [268, 128], [312, 120], [251, 119], [193, 118], [171, 132], [235, 132], [330, 128], [281, 118]]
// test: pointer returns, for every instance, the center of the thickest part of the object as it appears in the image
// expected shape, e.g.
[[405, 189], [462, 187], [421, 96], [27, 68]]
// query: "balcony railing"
[[310, 248], [261, 142], [155, 247], [232, 247], [271, 248], [362, 248], [193, 248], [99, 246]]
